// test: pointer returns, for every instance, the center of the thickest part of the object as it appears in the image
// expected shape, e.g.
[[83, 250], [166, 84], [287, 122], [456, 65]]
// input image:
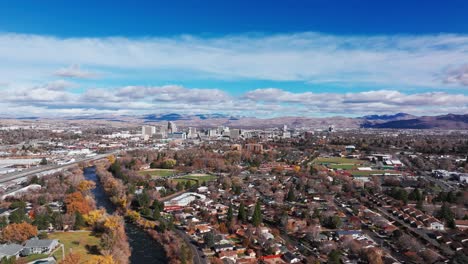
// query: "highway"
[[41, 169]]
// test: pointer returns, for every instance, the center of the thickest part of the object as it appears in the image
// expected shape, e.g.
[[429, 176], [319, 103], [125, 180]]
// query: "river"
[[144, 248]]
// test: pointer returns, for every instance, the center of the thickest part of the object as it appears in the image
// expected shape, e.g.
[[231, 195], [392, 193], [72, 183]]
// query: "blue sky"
[[260, 58]]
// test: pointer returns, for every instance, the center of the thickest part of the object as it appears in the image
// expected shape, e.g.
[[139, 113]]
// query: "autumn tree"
[[19, 233], [76, 202], [72, 258], [85, 186]]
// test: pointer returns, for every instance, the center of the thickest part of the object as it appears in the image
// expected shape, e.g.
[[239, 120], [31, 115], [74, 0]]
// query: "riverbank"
[[160, 229], [143, 248]]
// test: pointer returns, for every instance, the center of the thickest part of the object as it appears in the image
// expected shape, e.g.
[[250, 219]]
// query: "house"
[[203, 228], [353, 233], [10, 250], [435, 225], [39, 246], [223, 247], [289, 257], [461, 224], [230, 254]]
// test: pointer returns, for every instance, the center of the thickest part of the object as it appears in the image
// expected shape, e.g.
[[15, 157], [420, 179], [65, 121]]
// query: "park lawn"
[[200, 177], [34, 257], [342, 166], [157, 172], [337, 160], [79, 242]]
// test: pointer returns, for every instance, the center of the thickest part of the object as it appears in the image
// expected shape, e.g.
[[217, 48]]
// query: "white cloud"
[[75, 71], [259, 102], [385, 65], [457, 75], [313, 57]]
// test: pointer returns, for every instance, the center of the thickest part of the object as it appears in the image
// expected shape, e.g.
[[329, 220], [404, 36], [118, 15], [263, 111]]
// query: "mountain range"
[[394, 121]]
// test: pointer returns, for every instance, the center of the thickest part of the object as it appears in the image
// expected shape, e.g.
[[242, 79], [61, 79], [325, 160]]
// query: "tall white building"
[[171, 127], [148, 131], [192, 132], [234, 133]]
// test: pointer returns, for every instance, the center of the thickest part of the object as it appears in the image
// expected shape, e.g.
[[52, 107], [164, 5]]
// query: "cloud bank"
[[416, 74]]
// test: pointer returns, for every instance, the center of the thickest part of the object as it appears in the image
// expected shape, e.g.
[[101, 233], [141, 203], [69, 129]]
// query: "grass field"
[[337, 160], [83, 243], [34, 257], [157, 172], [200, 177], [342, 166]]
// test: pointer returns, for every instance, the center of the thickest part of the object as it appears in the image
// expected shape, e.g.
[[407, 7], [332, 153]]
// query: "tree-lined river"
[[144, 248]]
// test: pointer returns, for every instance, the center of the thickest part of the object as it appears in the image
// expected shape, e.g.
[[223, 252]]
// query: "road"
[[42, 169], [196, 252]]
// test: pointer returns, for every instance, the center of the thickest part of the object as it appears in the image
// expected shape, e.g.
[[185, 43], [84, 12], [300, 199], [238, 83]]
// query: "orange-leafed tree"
[[76, 202], [101, 260], [19, 232], [72, 258], [85, 186]]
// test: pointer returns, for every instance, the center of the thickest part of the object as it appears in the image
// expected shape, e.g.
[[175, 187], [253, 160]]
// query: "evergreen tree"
[[143, 200], [156, 213], [79, 221], [188, 185], [415, 195], [209, 239], [419, 205], [242, 215], [257, 215], [3, 222], [334, 257], [230, 214], [158, 204], [41, 221], [43, 161], [18, 216], [291, 197], [446, 214]]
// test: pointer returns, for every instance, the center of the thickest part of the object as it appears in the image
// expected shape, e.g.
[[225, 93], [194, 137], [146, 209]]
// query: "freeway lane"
[[42, 169]]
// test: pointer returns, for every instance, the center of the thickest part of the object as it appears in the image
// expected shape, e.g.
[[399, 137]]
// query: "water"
[[144, 248]]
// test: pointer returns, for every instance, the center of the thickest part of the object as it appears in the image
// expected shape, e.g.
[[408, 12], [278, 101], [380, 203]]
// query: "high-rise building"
[[148, 131], [234, 133], [171, 127], [161, 132], [192, 132]]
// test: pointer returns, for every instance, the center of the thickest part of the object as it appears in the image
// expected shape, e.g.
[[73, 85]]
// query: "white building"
[[192, 132], [178, 135], [436, 226], [148, 131], [185, 199], [171, 127], [234, 133], [39, 246]]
